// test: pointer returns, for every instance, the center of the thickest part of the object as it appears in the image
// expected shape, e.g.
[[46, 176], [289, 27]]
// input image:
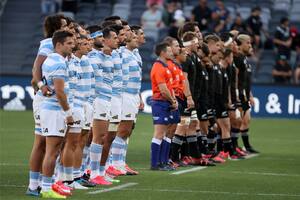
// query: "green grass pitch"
[[274, 174]]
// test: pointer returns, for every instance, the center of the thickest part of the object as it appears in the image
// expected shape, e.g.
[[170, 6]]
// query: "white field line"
[[13, 186], [188, 170], [120, 187], [266, 173], [214, 192], [13, 164], [251, 156]]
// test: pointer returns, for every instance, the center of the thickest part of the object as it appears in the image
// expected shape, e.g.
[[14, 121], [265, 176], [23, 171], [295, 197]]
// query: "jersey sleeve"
[[159, 74]]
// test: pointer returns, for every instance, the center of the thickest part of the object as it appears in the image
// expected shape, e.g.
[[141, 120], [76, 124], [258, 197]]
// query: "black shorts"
[[221, 109], [182, 106], [202, 111]]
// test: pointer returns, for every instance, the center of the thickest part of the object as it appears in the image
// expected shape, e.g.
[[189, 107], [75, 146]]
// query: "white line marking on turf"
[[213, 192], [266, 173], [13, 164], [188, 170], [113, 188], [251, 156], [14, 186]]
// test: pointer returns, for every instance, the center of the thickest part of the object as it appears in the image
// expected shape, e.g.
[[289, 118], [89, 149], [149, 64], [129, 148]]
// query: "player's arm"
[[62, 98], [165, 92], [142, 104], [36, 81], [251, 99], [187, 92]]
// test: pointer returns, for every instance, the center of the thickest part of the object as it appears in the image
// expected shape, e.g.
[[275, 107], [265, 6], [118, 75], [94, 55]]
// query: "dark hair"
[[69, 20], [225, 36], [60, 37], [107, 23], [283, 20], [52, 23], [205, 49], [160, 47], [188, 26], [124, 23], [211, 37], [188, 36], [169, 40], [135, 28], [117, 28], [93, 28], [112, 18], [226, 52], [106, 32]]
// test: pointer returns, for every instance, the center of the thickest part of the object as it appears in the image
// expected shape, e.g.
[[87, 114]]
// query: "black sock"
[[184, 148], [175, 147], [219, 143], [204, 148], [235, 137], [211, 140], [227, 145], [199, 141], [193, 146], [245, 138]]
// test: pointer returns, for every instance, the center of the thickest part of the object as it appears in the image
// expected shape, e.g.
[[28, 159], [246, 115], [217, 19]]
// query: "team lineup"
[[87, 97]]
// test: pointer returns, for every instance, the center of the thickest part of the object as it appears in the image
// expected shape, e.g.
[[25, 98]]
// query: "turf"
[[274, 174]]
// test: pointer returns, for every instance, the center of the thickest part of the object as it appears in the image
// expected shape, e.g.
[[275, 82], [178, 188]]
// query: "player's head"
[[133, 43], [173, 43], [163, 50], [140, 34], [213, 43], [190, 27], [284, 21], [120, 33], [127, 30], [110, 38], [244, 43], [181, 57], [227, 56], [115, 19], [83, 46], [53, 23], [63, 42], [204, 55], [190, 41], [97, 35]]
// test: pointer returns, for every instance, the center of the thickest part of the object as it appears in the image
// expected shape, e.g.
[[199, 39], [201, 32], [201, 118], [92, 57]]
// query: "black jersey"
[[201, 87], [189, 67], [211, 87], [225, 86], [244, 77], [218, 79], [233, 82]]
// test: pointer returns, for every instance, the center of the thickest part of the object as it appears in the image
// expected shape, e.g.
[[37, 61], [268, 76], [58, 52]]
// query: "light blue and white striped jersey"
[[132, 81], [54, 67], [46, 47], [103, 70], [138, 56], [86, 82], [74, 69], [117, 81]]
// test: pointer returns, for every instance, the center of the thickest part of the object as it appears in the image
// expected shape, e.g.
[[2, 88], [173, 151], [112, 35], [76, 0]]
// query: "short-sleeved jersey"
[[54, 67], [73, 68], [178, 78], [46, 47], [103, 70], [189, 67], [282, 34], [117, 71], [133, 72], [160, 73], [138, 56]]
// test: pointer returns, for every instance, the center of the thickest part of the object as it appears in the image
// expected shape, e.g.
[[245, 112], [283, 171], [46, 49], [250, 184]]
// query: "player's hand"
[[142, 105], [252, 102], [174, 105], [34, 86], [46, 91], [69, 120], [190, 102]]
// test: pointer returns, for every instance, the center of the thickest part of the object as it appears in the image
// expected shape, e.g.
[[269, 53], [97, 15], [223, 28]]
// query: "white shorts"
[[130, 106], [88, 116], [36, 104], [116, 109], [78, 117], [101, 109], [53, 123]]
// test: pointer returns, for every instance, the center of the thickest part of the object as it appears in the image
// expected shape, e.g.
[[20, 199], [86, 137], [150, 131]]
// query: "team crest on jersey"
[[203, 73], [206, 78]]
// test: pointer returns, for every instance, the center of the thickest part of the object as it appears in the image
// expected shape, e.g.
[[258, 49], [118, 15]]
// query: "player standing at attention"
[[55, 72]]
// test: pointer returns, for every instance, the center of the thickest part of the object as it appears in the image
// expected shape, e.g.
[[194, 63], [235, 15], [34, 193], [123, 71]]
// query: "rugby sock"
[[227, 145], [76, 173], [245, 138], [60, 172], [46, 183], [102, 170], [33, 180], [204, 143], [184, 148], [95, 156], [175, 147], [164, 150], [219, 143], [234, 137], [211, 140], [192, 146], [155, 151], [117, 147], [68, 174], [199, 140], [84, 159], [124, 152]]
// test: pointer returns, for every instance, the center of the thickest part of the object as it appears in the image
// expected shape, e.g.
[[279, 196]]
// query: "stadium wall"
[[271, 101]]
